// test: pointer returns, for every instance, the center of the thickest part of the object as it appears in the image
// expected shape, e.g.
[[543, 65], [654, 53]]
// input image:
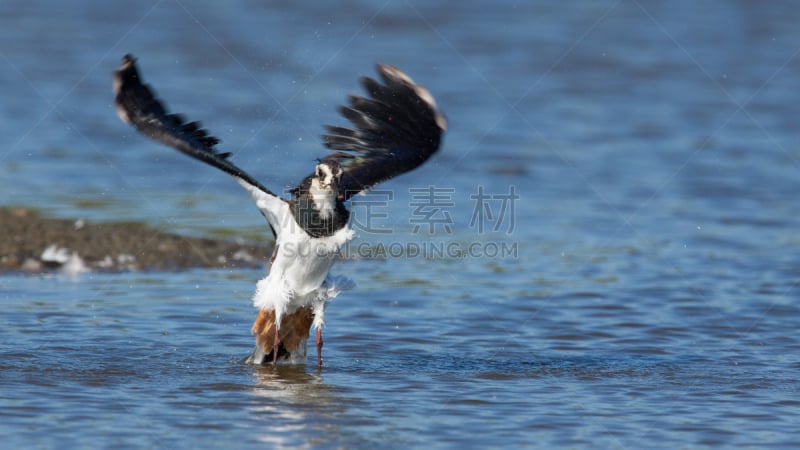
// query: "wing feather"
[[137, 104], [395, 130]]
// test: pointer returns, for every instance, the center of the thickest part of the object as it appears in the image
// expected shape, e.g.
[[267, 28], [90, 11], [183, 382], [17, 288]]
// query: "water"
[[651, 302]]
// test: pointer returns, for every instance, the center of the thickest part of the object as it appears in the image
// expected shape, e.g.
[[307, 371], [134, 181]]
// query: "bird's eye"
[[319, 172]]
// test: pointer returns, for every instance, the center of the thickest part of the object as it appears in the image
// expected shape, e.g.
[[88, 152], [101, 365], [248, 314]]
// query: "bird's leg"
[[319, 347], [275, 343]]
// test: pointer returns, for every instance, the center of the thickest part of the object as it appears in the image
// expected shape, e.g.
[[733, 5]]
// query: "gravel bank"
[[31, 242]]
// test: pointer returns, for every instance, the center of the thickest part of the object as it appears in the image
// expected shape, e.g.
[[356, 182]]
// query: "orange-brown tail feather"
[[293, 332]]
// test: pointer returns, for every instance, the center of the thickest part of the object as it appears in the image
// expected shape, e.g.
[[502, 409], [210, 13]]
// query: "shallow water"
[[651, 300]]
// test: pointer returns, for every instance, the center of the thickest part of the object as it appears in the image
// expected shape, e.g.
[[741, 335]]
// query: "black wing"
[[136, 104], [396, 130]]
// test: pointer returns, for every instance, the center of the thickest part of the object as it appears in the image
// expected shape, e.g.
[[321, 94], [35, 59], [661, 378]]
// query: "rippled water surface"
[[650, 299]]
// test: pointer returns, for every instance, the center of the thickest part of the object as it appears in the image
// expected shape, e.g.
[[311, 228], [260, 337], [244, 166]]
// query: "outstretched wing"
[[396, 129], [136, 104]]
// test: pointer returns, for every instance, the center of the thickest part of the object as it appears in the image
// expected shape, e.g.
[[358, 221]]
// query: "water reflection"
[[297, 409]]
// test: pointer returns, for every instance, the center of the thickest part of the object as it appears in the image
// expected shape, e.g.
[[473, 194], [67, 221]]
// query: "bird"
[[394, 129]]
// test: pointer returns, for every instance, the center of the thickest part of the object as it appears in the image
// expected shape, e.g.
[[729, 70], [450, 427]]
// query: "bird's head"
[[325, 186], [326, 177]]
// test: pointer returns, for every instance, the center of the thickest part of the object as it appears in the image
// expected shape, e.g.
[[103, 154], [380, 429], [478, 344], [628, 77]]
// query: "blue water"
[[651, 300]]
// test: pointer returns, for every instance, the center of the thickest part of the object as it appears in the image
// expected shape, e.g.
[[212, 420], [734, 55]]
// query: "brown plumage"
[[293, 331]]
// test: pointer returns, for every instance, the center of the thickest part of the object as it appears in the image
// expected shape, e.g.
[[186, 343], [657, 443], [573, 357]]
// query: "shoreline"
[[35, 243]]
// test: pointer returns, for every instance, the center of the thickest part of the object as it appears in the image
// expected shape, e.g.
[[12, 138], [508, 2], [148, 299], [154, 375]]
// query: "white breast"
[[324, 199], [300, 267]]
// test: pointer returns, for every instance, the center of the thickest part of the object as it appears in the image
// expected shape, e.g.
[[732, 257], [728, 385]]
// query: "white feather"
[[275, 209], [324, 198], [299, 271], [330, 289]]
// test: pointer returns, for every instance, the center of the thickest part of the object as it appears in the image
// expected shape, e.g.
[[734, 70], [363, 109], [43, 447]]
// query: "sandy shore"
[[31, 242]]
